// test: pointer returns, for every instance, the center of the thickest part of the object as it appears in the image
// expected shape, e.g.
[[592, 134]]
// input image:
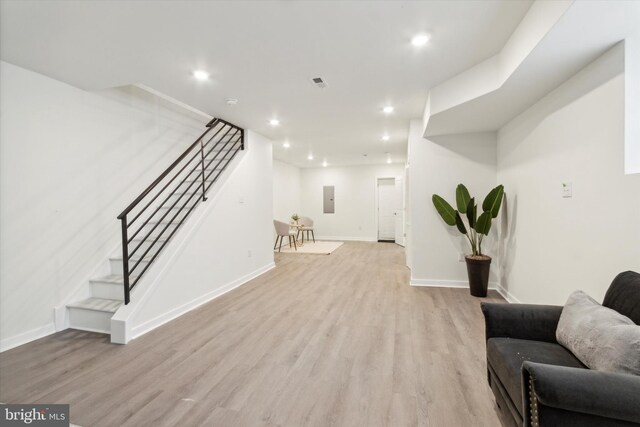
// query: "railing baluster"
[[204, 195], [125, 259]]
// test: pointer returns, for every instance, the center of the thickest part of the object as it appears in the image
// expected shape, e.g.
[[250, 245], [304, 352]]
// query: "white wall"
[[438, 167], [546, 246], [554, 245], [408, 211], [286, 191], [632, 102], [355, 196], [230, 244], [70, 161]]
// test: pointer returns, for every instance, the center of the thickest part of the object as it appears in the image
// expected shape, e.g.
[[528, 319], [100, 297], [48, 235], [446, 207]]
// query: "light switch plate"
[[567, 189]]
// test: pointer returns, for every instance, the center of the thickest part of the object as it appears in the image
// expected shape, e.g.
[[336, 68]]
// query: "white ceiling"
[[264, 53]]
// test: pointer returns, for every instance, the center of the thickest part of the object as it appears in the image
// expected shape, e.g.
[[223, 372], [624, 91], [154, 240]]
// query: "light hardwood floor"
[[338, 340]]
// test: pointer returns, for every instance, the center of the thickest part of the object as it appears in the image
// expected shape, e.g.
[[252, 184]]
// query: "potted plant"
[[475, 229], [295, 218]]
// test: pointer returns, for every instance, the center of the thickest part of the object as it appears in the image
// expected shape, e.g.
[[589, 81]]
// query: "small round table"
[[299, 228]]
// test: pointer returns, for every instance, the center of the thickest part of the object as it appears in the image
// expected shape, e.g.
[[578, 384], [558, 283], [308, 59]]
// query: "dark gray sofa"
[[537, 382]]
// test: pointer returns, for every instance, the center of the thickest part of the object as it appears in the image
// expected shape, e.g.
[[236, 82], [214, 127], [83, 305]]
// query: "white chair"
[[283, 229], [307, 225]]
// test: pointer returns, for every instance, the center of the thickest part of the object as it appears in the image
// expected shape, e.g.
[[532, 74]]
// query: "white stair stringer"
[[121, 329]]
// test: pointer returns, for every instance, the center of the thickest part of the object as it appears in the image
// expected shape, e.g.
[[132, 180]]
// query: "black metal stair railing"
[[151, 220]]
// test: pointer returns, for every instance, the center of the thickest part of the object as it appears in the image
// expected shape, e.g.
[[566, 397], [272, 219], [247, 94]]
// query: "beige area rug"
[[318, 248]]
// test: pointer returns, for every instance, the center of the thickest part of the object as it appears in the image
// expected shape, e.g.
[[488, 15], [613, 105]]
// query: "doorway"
[[389, 210]]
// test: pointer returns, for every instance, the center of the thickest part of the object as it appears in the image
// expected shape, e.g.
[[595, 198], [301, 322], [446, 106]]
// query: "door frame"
[[375, 205]]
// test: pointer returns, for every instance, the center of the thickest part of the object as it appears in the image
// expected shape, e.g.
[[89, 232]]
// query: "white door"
[[386, 209], [399, 214]]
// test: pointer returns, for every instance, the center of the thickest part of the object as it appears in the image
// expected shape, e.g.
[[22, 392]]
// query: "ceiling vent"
[[319, 83]]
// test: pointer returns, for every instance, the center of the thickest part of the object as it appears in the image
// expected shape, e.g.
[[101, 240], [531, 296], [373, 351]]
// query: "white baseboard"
[[192, 305], [462, 284], [507, 295], [25, 337], [439, 283], [347, 238]]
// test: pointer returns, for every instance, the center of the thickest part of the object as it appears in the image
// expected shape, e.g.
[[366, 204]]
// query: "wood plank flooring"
[[338, 340]]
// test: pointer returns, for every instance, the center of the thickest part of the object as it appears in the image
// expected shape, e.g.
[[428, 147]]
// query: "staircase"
[[149, 223]]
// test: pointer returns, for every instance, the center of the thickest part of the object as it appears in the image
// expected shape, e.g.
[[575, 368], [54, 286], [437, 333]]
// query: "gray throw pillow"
[[599, 337]]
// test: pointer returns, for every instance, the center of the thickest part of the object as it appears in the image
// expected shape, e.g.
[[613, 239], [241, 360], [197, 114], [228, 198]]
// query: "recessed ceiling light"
[[310, 157], [274, 122], [389, 160], [420, 39], [201, 75], [232, 101], [385, 137], [388, 109], [286, 145], [324, 164]]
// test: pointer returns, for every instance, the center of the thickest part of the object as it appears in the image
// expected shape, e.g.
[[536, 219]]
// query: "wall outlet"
[[566, 189], [461, 257], [249, 253], [241, 200]]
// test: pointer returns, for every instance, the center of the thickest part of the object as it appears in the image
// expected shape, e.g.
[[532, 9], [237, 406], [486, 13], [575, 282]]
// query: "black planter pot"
[[478, 272]]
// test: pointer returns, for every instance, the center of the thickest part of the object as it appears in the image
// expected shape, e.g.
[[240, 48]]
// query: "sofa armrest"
[[565, 395], [522, 321]]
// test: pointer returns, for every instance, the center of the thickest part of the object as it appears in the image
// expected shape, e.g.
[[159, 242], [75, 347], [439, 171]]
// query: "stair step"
[[169, 208], [97, 304], [116, 262], [166, 221], [93, 314], [145, 243], [186, 194], [112, 279], [198, 180], [195, 190], [211, 168], [210, 172], [164, 217], [173, 210], [134, 258], [109, 287], [149, 239]]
